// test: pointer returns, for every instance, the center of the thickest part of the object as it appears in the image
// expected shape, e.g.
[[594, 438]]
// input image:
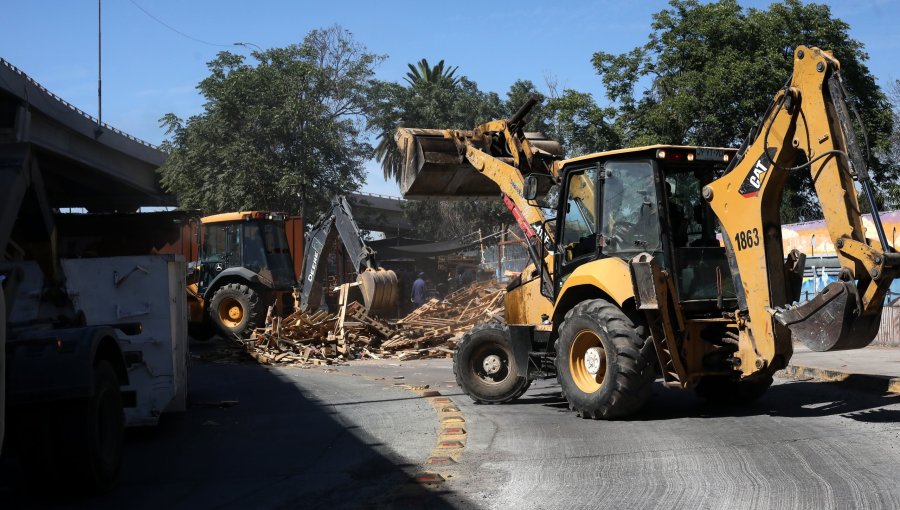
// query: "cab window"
[[630, 223], [579, 229], [222, 244], [254, 250]]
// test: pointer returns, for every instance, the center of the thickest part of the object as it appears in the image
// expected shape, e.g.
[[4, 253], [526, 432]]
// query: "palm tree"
[[422, 75]]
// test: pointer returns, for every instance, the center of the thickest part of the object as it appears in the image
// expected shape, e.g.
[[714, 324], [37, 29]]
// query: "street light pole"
[[99, 129], [248, 44]]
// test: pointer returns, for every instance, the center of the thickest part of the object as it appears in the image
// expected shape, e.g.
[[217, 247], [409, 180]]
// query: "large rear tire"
[[485, 366], [605, 363], [236, 310]]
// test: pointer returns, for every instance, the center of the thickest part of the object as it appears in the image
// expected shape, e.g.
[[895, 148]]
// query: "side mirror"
[[530, 190]]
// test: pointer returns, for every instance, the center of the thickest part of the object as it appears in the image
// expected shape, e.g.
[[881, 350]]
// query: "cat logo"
[[752, 183]]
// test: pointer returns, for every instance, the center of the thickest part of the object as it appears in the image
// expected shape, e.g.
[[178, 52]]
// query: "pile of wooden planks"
[[430, 331], [434, 329]]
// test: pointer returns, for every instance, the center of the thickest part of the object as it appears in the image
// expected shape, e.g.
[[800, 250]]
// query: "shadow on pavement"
[[274, 449], [794, 399], [791, 399]]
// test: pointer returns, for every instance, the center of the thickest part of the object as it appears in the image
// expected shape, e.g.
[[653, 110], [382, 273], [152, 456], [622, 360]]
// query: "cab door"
[[577, 222], [220, 249]]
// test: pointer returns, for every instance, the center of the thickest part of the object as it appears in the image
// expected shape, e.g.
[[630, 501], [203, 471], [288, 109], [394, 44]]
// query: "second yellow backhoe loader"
[[664, 260], [244, 267]]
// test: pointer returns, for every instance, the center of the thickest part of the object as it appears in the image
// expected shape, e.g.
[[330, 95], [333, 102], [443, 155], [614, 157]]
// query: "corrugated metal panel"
[[889, 333]]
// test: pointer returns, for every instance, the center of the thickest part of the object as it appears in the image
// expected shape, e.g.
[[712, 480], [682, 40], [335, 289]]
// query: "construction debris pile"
[[430, 331]]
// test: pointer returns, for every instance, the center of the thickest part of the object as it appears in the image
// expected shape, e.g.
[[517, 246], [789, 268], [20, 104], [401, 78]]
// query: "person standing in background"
[[419, 290]]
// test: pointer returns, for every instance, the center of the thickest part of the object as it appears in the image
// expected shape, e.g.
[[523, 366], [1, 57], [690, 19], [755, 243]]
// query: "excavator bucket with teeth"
[[831, 321]]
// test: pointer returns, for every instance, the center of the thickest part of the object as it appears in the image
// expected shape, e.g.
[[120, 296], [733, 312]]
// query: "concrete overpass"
[[45, 140], [82, 164]]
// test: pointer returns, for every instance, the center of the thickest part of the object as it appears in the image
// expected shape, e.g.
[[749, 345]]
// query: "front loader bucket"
[[831, 320], [433, 166], [379, 290]]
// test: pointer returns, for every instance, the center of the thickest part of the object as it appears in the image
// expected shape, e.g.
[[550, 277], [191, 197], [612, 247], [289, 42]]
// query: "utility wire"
[[179, 32]]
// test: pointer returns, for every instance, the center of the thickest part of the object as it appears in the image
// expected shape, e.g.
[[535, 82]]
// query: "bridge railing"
[[72, 107]]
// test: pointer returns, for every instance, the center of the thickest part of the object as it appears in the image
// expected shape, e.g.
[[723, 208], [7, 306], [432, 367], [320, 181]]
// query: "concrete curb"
[[880, 384]]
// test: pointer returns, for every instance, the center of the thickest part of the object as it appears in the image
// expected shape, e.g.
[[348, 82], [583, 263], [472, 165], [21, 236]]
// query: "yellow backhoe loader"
[[664, 260], [244, 267]]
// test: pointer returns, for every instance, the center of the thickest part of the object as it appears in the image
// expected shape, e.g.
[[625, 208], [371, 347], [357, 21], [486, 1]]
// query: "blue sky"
[[149, 70]]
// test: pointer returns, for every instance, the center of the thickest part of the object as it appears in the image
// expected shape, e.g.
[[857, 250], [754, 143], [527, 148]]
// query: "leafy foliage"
[[710, 70], [573, 118], [580, 125], [285, 134], [891, 155]]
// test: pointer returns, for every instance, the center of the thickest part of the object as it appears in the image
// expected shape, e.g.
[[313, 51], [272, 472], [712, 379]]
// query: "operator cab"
[[648, 199], [253, 240]]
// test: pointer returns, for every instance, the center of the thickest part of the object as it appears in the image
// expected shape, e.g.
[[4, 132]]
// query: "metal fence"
[[825, 270], [889, 333], [505, 258]]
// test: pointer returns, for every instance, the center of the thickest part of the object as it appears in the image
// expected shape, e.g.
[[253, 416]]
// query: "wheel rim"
[[587, 361], [231, 313], [491, 364]]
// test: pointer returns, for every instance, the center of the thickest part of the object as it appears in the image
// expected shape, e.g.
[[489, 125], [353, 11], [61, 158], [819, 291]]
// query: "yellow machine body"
[[730, 318]]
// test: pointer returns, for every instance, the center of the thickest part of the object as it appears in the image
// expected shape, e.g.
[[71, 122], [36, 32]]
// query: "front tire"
[[485, 366], [236, 310], [605, 363]]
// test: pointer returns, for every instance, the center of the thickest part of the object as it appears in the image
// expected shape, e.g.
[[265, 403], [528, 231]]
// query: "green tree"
[[710, 70], [284, 134], [572, 118], [892, 154], [519, 93], [580, 125]]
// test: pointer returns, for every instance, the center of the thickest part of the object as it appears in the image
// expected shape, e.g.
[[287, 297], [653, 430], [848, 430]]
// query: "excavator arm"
[[378, 286], [807, 128]]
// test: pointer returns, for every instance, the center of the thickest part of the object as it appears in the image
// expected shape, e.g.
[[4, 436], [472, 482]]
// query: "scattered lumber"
[[322, 338]]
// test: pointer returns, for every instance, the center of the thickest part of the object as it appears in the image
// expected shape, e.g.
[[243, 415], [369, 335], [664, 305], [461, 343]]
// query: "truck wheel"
[[485, 367], [722, 390], [604, 362], [91, 435], [78, 444], [235, 310]]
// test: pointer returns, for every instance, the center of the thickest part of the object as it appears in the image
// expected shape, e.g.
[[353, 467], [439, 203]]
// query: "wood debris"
[[322, 338]]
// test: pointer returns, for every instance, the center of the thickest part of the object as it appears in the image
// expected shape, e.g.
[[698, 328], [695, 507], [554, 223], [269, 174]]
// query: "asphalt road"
[[355, 437]]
